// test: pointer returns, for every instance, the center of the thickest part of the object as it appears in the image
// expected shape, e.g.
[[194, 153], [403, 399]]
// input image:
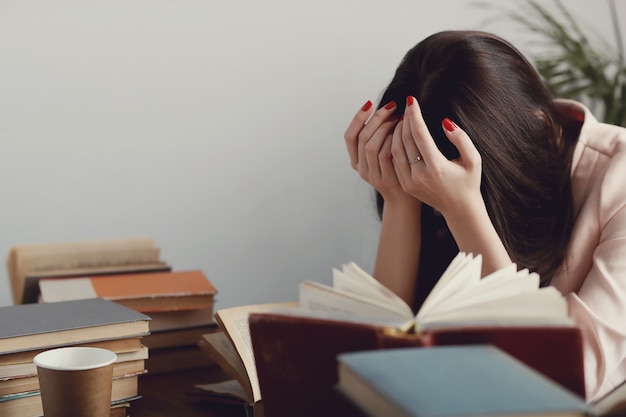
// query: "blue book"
[[450, 381]]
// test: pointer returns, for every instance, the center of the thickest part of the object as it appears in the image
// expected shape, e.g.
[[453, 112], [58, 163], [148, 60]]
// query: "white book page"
[[322, 298], [344, 317], [222, 351], [490, 288], [234, 321], [355, 280], [464, 271], [546, 306], [66, 289]]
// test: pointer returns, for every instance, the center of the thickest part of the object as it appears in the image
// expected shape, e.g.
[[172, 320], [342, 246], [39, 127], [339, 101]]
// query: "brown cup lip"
[[44, 359]]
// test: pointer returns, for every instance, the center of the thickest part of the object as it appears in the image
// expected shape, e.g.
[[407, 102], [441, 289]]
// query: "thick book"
[[19, 387], [27, 263], [451, 381], [20, 364], [145, 292], [127, 344], [36, 326], [125, 388], [187, 336], [163, 321], [31, 293]]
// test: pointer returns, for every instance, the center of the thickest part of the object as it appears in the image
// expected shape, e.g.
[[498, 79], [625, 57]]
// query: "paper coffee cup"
[[75, 381]]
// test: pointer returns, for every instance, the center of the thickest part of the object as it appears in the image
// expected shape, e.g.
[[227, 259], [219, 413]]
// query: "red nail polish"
[[402, 117], [448, 125], [367, 106], [390, 105], [409, 100]]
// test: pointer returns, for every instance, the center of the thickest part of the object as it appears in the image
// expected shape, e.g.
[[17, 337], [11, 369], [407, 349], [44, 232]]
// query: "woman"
[[468, 151]]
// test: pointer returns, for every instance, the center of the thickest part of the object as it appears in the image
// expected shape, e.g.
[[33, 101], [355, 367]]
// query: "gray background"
[[215, 127]]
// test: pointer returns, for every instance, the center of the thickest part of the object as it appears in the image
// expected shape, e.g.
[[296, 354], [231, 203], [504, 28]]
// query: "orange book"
[[144, 292]]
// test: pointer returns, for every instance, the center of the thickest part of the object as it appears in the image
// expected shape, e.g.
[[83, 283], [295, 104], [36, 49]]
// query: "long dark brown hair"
[[489, 89]]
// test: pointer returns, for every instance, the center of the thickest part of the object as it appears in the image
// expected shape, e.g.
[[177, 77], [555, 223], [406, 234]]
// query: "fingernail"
[[402, 117], [409, 100], [367, 106], [390, 105], [449, 125]]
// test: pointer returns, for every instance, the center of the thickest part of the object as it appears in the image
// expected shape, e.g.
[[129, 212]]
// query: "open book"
[[460, 299], [232, 351]]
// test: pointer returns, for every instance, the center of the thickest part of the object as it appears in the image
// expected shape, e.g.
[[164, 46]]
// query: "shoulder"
[[599, 161], [603, 138]]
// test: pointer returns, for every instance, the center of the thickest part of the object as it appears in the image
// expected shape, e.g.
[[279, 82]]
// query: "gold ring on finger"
[[415, 160]]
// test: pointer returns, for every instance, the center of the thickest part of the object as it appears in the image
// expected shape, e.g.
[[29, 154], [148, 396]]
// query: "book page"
[[493, 287], [219, 348], [37, 258], [546, 306], [234, 321], [463, 271], [318, 297], [353, 279]]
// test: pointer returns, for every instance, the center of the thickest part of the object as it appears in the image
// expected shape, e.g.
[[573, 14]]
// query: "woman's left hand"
[[451, 187], [424, 172]]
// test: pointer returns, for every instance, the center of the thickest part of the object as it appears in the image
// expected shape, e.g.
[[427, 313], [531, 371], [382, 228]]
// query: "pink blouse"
[[593, 276]]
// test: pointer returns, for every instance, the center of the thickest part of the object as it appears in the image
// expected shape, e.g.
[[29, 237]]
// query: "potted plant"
[[574, 65]]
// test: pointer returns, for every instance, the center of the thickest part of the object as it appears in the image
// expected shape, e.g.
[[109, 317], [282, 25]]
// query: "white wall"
[[215, 127]]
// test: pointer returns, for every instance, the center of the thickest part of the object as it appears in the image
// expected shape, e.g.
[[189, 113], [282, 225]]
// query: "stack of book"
[[28, 329], [130, 272], [27, 264], [180, 304]]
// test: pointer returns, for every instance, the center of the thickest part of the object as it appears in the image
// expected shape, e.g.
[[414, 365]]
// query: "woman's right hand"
[[369, 147]]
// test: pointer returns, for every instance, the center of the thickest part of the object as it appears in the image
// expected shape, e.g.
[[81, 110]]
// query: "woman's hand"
[[399, 245], [452, 187], [369, 147], [425, 173]]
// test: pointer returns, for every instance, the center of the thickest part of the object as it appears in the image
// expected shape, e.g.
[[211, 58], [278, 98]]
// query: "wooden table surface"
[[169, 395]]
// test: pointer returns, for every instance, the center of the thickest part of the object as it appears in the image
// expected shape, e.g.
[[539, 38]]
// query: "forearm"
[[474, 233], [398, 256]]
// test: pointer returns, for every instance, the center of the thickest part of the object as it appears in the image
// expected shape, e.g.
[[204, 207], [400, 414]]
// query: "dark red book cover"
[[297, 367]]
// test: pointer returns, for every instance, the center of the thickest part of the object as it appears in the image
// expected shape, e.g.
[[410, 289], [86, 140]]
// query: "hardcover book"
[[450, 381], [26, 264], [145, 292], [19, 371], [124, 389], [37, 326]]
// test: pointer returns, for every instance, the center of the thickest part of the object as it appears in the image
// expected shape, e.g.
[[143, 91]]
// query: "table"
[[168, 395]]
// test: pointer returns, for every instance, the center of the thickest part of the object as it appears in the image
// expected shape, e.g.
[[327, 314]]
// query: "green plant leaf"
[[573, 64]]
